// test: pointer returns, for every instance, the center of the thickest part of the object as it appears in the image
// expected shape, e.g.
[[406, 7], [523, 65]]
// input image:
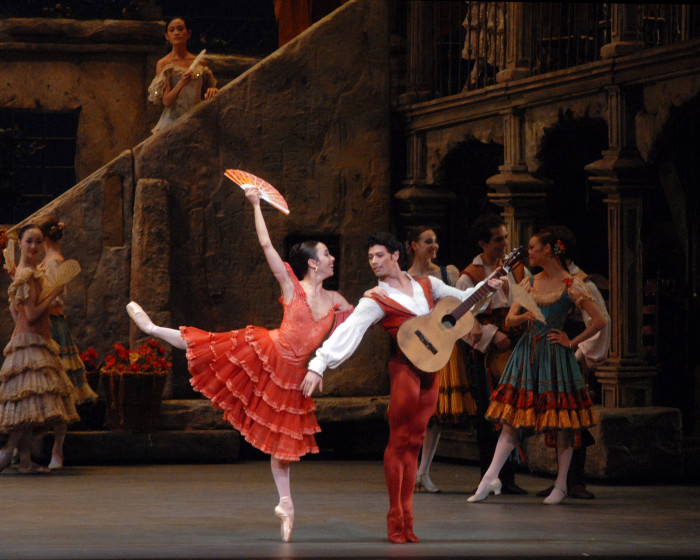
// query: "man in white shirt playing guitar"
[[488, 338], [414, 393]]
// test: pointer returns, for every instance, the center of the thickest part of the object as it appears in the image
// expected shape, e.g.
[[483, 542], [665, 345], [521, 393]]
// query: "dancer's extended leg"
[[284, 510], [143, 322]]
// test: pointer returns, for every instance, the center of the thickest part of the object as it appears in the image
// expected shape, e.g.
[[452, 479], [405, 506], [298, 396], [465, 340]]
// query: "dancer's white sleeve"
[[595, 349], [440, 289], [347, 337]]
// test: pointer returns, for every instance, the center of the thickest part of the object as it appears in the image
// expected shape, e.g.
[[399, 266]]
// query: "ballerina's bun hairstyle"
[[561, 240], [299, 256], [51, 228], [413, 235]]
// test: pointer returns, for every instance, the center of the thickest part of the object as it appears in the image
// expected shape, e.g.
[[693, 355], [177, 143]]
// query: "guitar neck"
[[477, 296]]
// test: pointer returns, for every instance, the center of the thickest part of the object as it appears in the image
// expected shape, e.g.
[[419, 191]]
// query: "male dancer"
[[414, 393], [490, 337]]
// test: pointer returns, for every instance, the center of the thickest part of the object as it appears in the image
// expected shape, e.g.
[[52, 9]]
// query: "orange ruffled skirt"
[[242, 373]]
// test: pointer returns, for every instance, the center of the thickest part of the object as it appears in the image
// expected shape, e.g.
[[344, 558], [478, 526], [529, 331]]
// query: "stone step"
[[159, 447]]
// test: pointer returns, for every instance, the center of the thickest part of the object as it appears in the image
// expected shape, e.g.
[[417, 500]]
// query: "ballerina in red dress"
[[253, 374]]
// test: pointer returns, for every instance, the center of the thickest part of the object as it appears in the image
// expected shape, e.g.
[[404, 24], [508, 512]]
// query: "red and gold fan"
[[267, 192]]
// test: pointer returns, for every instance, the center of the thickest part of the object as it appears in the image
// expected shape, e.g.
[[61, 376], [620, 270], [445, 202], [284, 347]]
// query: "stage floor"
[[226, 511]]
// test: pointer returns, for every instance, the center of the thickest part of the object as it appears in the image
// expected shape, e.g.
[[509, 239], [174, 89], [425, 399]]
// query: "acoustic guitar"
[[427, 341]]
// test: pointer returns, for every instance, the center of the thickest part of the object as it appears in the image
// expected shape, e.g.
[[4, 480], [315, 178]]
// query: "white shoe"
[[286, 523], [424, 484], [132, 308], [493, 486], [56, 463], [555, 497]]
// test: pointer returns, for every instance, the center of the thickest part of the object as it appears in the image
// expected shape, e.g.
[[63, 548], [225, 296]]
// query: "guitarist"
[[414, 393], [490, 338]]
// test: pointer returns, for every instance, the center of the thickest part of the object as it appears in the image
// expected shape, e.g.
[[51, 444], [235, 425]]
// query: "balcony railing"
[[471, 39], [567, 34]]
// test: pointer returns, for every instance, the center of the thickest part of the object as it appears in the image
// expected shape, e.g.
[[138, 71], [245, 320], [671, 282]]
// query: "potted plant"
[[133, 382]]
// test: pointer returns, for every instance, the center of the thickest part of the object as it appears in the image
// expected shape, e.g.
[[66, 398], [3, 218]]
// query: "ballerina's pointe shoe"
[[286, 523], [480, 495], [139, 317], [56, 463], [555, 497]]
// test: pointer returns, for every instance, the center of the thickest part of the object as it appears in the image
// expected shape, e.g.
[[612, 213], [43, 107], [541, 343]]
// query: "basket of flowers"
[[133, 382]]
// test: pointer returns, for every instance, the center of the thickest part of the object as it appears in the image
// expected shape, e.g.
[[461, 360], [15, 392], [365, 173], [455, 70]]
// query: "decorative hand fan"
[[267, 192], [62, 275], [8, 254], [523, 297], [196, 60]]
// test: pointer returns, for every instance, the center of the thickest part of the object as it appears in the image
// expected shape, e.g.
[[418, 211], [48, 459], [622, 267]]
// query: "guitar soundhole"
[[448, 321]]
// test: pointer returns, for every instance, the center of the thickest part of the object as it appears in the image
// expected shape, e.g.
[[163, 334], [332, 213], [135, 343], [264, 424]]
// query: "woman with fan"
[[542, 387], [254, 375], [35, 392], [177, 84], [68, 350]]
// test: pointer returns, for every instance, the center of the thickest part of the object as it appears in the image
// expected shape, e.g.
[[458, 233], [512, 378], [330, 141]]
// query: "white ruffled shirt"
[[347, 337]]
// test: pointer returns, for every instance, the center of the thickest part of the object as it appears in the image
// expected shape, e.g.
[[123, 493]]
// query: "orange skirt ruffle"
[[242, 374], [455, 401]]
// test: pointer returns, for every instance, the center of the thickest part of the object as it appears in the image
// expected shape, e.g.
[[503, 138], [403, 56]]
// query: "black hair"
[[388, 240], [172, 19], [560, 239], [51, 228], [299, 256], [413, 236], [25, 228], [481, 228]]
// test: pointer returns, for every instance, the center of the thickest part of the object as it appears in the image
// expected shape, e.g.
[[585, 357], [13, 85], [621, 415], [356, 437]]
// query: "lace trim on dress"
[[20, 290]]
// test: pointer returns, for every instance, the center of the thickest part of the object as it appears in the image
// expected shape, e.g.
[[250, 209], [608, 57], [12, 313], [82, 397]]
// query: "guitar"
[[427, 341]]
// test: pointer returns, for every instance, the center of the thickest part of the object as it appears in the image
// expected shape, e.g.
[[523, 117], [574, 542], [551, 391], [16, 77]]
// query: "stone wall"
[[315, 126], [102, 68]]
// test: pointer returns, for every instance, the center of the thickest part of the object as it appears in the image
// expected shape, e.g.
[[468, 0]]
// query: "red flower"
[[147, 359]]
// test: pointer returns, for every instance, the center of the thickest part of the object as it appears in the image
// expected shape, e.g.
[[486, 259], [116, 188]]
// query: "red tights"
[[412, 403]]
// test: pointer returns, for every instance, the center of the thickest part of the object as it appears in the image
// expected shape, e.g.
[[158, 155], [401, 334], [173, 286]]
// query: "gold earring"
[[316, 269]]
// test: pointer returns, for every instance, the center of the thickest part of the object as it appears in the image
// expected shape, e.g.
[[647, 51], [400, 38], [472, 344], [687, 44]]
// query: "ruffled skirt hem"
[[243, 375], [34, 389]]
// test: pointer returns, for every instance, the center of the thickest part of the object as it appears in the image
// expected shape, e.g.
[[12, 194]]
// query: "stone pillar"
[[624, 31], [518, 47], [520, 195], [150, 257], [419, 55], [625, 379], [417, 202]]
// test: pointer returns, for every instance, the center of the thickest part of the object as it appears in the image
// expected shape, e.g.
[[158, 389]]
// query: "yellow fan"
[[60, 276], [523, 297], [8, 254]]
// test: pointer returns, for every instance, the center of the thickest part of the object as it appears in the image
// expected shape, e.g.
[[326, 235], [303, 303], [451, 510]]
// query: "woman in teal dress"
[[542, 388]]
